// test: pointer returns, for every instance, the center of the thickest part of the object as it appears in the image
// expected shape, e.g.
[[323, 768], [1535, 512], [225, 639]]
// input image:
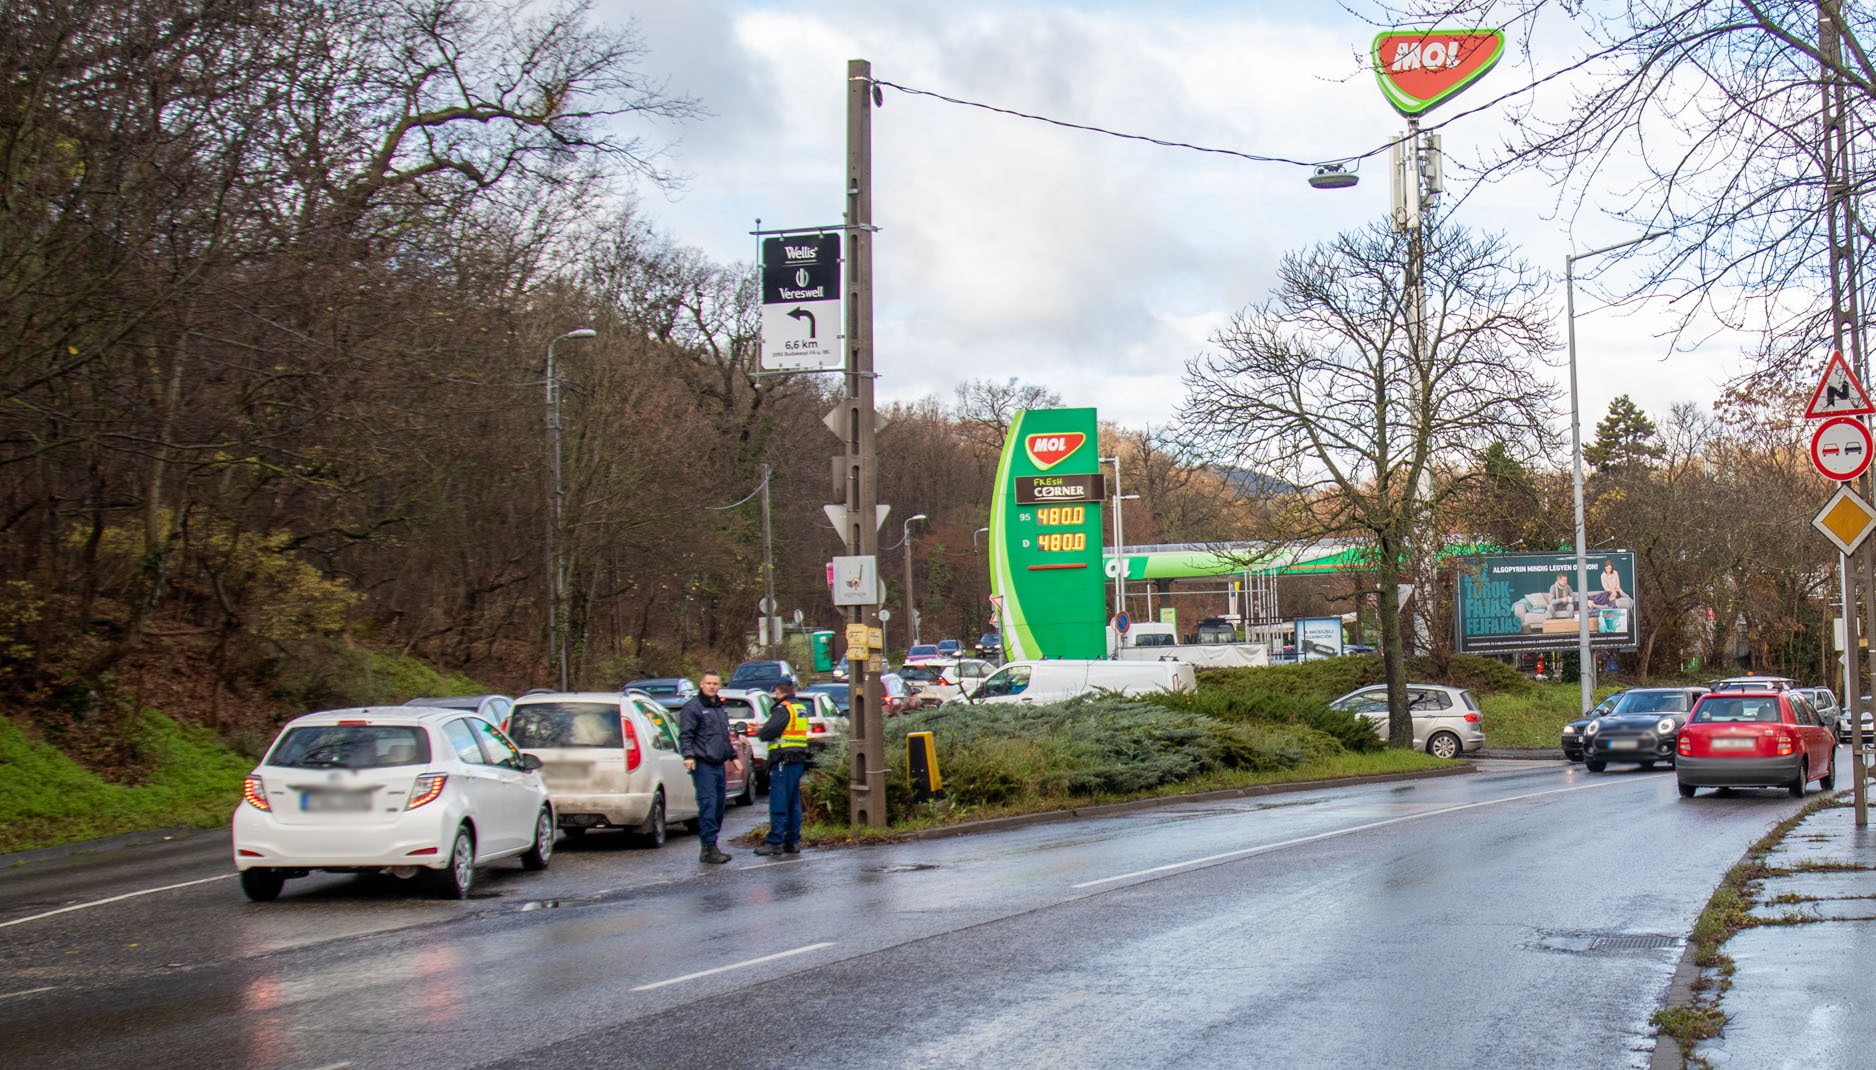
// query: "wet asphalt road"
[[1528, 916]]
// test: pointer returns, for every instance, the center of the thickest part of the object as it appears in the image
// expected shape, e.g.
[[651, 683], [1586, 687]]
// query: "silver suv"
[[1447, 721]]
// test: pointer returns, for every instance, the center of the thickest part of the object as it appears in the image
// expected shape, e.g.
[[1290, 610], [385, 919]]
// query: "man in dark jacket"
[[703, 734], [786, 733]]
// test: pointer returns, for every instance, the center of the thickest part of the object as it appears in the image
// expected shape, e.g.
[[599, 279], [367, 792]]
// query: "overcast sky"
[[1093, 265]]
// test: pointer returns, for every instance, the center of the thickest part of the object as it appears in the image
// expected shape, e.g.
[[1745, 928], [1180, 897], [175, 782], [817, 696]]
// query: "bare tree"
[[1320, 387], [986, 407], [1701, 118]]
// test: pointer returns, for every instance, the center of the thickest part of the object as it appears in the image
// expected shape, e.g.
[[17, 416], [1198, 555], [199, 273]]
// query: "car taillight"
[[1786, 744], [426, 789], [1686, 744], [254, 793], [1474, 718], [632, 755]]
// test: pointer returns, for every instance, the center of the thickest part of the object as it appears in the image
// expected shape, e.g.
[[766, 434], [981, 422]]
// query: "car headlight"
[[1569, 730], [1666, 726], [1592, 728]]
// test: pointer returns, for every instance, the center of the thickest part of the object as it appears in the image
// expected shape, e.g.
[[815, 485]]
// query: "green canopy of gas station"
[[1193, 560]]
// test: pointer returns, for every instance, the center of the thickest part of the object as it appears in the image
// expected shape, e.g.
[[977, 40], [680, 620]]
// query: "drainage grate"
[[1638, 942]]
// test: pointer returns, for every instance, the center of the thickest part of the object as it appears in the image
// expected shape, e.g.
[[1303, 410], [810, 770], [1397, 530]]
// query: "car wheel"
[[542, 852], [455, 880], [1829, 780], [652, 833], [1796, 787], [1687, 791], [762, 780], [1596, 766], [1443, 745], [262, 885]]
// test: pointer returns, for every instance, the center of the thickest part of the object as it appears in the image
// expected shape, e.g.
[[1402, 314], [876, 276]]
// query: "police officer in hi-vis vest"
[[786, 733]]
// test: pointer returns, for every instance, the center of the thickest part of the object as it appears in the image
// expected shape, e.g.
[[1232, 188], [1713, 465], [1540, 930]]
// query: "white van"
[[1055, 680]]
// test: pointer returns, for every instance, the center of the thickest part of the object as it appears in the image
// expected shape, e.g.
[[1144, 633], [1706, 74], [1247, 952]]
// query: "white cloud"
[[1093, 265]]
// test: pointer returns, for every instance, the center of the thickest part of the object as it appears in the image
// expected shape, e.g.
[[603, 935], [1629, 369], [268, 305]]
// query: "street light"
[[911, 607], [556, 582], [1585, 669]]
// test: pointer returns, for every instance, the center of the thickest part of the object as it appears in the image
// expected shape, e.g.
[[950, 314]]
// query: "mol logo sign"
[[1421, 69], [1047, 451]]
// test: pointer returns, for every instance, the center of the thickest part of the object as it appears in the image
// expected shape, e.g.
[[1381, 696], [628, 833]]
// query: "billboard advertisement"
[[1506, 603], [1318, 637], [1045, 537]]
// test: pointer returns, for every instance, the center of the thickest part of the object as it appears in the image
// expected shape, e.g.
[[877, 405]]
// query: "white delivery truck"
[[1056, 680], [1157, 641]]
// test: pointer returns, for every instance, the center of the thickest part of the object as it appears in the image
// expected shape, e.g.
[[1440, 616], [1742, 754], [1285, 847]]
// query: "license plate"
[[1734, 744], [335, 802], [1622, 744]]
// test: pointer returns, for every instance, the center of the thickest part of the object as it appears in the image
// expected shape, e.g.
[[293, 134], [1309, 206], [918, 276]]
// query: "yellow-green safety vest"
[[796, 734]]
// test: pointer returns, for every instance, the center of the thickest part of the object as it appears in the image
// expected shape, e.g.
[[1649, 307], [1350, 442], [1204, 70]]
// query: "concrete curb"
[[994, 824]]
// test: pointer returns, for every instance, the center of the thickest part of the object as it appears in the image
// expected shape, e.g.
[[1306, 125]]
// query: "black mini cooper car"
[[1640, 728]]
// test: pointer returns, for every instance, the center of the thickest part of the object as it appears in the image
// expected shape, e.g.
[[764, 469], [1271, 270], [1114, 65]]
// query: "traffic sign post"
[[1840, 449]]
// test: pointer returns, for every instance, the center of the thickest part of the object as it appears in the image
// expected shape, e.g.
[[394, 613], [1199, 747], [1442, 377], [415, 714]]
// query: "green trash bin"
[[823, 651]]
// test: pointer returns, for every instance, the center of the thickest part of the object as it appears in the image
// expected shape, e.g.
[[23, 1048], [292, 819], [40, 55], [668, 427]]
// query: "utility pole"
[[771, 611], [866, 787], [1846, 327], [557, 661]]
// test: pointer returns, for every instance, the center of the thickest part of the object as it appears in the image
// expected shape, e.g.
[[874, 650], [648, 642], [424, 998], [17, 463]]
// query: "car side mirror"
[[737, 728], [529, 763]]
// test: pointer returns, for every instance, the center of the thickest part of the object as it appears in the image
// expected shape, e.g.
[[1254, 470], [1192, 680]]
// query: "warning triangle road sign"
[[1838, 393]]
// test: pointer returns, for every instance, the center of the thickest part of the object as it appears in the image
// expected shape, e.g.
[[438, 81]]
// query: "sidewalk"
[[1800, 994]]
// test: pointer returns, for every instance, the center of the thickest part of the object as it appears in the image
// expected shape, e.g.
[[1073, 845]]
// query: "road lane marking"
[[1246, 852], [113, 899], [27, 992], [732, 966], [765, 865]]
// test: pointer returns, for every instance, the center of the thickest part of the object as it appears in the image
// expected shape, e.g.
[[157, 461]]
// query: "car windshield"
[[1653, 702], [924, 650], [352, 746], [920, 674], [755, 672], [653, 687], [566, 724], [1728, 710]]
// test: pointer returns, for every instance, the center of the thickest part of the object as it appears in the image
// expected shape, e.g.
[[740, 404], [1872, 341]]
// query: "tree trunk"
[[1400, 725]]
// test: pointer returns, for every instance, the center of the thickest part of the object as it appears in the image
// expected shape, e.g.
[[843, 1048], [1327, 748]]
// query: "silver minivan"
[[1447, 721]]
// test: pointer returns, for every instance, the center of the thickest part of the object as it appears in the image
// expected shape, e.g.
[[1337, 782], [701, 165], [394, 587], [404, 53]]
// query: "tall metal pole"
[[1586, 670], [1845, 273], [556, 573], [911, 600], [1587, 685], [866, 785], [771, 612]]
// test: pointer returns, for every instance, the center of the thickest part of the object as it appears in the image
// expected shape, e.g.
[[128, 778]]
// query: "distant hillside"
[[1256, 484]]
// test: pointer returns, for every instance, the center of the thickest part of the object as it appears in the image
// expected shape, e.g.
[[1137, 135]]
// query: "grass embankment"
[[159, 773], [192, 781], [1241, 728]]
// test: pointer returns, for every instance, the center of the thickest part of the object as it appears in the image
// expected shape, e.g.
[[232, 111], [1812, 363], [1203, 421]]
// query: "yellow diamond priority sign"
[[1846, 520]]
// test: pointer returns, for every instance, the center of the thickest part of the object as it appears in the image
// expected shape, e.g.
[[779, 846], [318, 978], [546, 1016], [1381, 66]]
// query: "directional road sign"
[[1841, 448], [801, 320]]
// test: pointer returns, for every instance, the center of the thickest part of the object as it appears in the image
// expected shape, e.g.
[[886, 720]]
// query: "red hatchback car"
[[1737, 739]]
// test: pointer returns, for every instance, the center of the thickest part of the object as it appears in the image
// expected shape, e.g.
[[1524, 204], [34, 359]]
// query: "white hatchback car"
[[610, 760], [1446, 719], [398, 788]]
